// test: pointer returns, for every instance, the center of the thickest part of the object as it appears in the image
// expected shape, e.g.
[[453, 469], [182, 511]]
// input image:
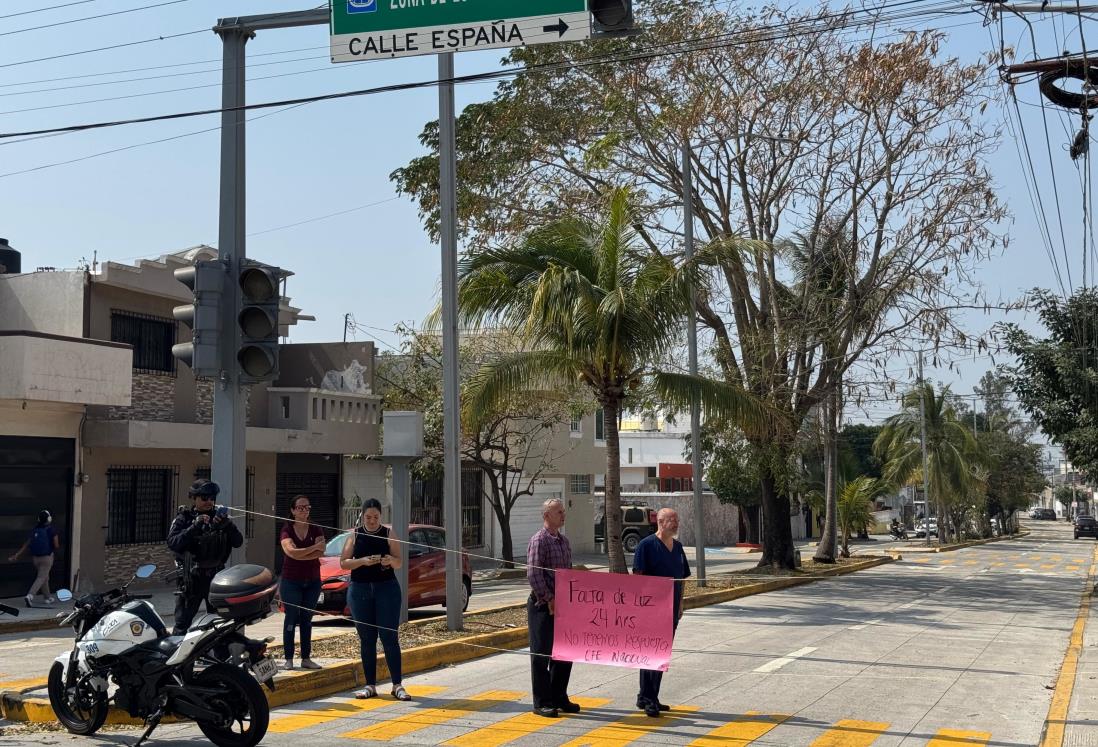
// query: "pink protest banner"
[[614, 619]]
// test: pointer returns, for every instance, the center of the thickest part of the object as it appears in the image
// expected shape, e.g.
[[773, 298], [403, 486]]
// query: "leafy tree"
[[1056, 377], [589, 308], [511, 442], [793, 136], [731, 470], [949, 444], [1066, 497]]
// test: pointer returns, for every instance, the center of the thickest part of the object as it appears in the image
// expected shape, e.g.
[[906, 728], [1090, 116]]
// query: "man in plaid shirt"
[[548, 549]]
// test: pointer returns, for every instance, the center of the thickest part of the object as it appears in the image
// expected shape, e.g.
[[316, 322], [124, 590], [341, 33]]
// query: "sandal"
[[367, 692], [400, 693]]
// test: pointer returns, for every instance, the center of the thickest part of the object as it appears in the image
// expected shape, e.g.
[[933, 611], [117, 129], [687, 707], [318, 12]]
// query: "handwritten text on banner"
[[614, 619]]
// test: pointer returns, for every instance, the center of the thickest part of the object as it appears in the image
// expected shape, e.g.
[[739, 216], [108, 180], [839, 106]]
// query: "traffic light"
[[206, 279], [612, 17], [258, 320]]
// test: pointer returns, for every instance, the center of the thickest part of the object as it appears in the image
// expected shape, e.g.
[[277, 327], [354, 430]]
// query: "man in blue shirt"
[[660, 554]]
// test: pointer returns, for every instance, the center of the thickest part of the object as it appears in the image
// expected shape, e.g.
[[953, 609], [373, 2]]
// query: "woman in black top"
[[372, 555]]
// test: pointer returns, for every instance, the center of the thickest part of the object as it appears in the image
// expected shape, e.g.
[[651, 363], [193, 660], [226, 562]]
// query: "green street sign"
[[383, 29]]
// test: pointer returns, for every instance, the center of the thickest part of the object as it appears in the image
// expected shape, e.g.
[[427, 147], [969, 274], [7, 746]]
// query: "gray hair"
[[549, 504]]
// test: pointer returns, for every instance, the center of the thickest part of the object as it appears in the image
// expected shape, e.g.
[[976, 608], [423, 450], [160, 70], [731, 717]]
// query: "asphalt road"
[[938, 649]]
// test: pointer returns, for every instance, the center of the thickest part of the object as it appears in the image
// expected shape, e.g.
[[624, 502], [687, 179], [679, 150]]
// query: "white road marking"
[[776, 664], [866, 624]]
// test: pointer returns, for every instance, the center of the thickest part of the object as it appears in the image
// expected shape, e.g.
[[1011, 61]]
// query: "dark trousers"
[[549, 678], [299, 598], [376, 609], [188, 600], [651, 679]]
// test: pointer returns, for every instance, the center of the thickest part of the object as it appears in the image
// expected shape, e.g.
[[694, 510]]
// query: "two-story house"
[[100, 425]]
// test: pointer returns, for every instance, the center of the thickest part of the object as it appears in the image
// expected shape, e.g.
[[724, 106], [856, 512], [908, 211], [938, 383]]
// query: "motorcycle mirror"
[[64, 595], [145, 571]]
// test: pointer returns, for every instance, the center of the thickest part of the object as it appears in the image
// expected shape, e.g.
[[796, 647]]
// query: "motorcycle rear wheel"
[[241, 697], [74, 718]]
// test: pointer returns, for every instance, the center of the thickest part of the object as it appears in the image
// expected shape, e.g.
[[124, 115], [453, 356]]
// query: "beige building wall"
[[103, 565], [50, 302]]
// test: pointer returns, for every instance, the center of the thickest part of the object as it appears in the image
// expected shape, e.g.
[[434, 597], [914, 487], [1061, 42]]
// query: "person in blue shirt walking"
[[660, 554], [42, 544]]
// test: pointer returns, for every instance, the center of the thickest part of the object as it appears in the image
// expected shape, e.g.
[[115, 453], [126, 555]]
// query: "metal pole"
[[451, 406], [401, 516], [926, 469], [229, 455], [692, 341]]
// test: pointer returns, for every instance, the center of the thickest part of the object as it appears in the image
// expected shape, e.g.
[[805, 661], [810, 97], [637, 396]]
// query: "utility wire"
[[90, 18], [674, 48], [43, 10], [77, 53]]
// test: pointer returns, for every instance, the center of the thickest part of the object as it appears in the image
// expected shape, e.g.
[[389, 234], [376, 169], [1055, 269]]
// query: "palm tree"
[[950, 447], [592, 309], [854, 508]]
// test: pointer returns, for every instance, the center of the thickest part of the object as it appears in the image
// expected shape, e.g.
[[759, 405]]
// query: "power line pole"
[[926, 468], [692, 341]]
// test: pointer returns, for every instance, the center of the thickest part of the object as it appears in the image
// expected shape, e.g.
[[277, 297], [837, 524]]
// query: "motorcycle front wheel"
[[81, 710], [241, 702]]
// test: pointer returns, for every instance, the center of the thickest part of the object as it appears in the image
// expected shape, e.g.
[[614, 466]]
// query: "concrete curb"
[[299, 687], [969, 543]]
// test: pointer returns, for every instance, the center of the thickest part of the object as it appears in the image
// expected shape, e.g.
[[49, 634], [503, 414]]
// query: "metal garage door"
[[526, 517], [323, 492], [35, 474]]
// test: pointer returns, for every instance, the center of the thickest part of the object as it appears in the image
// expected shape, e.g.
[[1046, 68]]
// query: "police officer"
[[202, 539]]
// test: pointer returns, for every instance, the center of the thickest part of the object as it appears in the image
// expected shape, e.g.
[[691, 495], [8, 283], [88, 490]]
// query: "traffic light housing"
[[260, 297], [206, 279], [612, 17]]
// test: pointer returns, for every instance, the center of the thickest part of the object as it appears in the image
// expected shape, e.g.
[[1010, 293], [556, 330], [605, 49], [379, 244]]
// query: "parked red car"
[[426, 571]]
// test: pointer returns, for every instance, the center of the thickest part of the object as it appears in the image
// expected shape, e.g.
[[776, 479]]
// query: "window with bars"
[[140, 504], [203, 473], [151, 337], [579, 484], [576, 426]]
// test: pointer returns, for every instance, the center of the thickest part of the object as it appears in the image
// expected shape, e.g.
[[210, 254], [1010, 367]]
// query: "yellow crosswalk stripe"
[[920, 560], [850, 733], [1048, 566], [398, 727], [334, 712], [743, 730], [954, 737], [946, 561], [515, 727], [628, 729], [1021, 565]]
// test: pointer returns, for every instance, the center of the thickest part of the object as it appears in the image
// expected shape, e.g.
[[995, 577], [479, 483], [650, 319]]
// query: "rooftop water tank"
[[10, 260]]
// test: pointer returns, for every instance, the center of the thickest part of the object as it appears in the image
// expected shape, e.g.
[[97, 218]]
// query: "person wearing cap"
[[201, 538], [42, 544]]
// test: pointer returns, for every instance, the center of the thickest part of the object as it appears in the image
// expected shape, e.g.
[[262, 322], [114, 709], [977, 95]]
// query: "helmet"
[[44, 517], [204, 487]]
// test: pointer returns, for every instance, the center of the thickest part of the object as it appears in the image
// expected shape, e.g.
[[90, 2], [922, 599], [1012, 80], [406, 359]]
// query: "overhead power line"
[[43, 10], [77, 53], [721, 41], [90, 18]]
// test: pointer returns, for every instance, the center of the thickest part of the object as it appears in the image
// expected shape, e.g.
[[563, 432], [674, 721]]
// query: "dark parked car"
[[637, 522], [1043, 513], [1086, 525]]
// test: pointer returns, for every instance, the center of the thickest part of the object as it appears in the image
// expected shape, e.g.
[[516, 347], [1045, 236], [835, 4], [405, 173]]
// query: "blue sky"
[[375, 262]]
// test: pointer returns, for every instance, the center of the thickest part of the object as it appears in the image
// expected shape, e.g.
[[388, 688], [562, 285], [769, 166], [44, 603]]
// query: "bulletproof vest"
[[209, 549]]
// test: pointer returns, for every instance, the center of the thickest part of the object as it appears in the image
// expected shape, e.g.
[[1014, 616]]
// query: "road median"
[[27, 704]]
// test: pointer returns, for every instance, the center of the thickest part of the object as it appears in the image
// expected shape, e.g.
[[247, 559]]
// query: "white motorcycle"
[[211, 675]]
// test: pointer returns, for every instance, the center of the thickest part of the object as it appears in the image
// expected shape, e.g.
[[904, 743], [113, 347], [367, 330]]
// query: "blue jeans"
[[376, 609], [295, 596]]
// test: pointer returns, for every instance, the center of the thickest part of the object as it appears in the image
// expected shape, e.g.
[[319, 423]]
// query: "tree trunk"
[[777, 536], [503, 516], [613, 488], [825, 551]]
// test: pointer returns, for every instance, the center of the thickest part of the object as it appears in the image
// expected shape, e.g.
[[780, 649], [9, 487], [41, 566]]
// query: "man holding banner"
[[548, 550], [660, 554]]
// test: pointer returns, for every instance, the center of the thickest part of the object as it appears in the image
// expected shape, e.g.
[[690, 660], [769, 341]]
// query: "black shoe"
[[546, 711], [652, 710], [642, 704], [663, 707], [567, 706]]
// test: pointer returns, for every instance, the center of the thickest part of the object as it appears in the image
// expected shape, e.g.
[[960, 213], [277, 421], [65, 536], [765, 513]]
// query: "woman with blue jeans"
[[303, 543], [372, 555]]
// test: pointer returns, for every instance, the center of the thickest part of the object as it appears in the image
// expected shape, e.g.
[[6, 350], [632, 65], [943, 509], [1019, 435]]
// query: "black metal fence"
[[140, 504], [427, 505]]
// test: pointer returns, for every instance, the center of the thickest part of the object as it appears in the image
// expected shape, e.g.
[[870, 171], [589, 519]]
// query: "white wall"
[[50, 302], [46, 369]]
